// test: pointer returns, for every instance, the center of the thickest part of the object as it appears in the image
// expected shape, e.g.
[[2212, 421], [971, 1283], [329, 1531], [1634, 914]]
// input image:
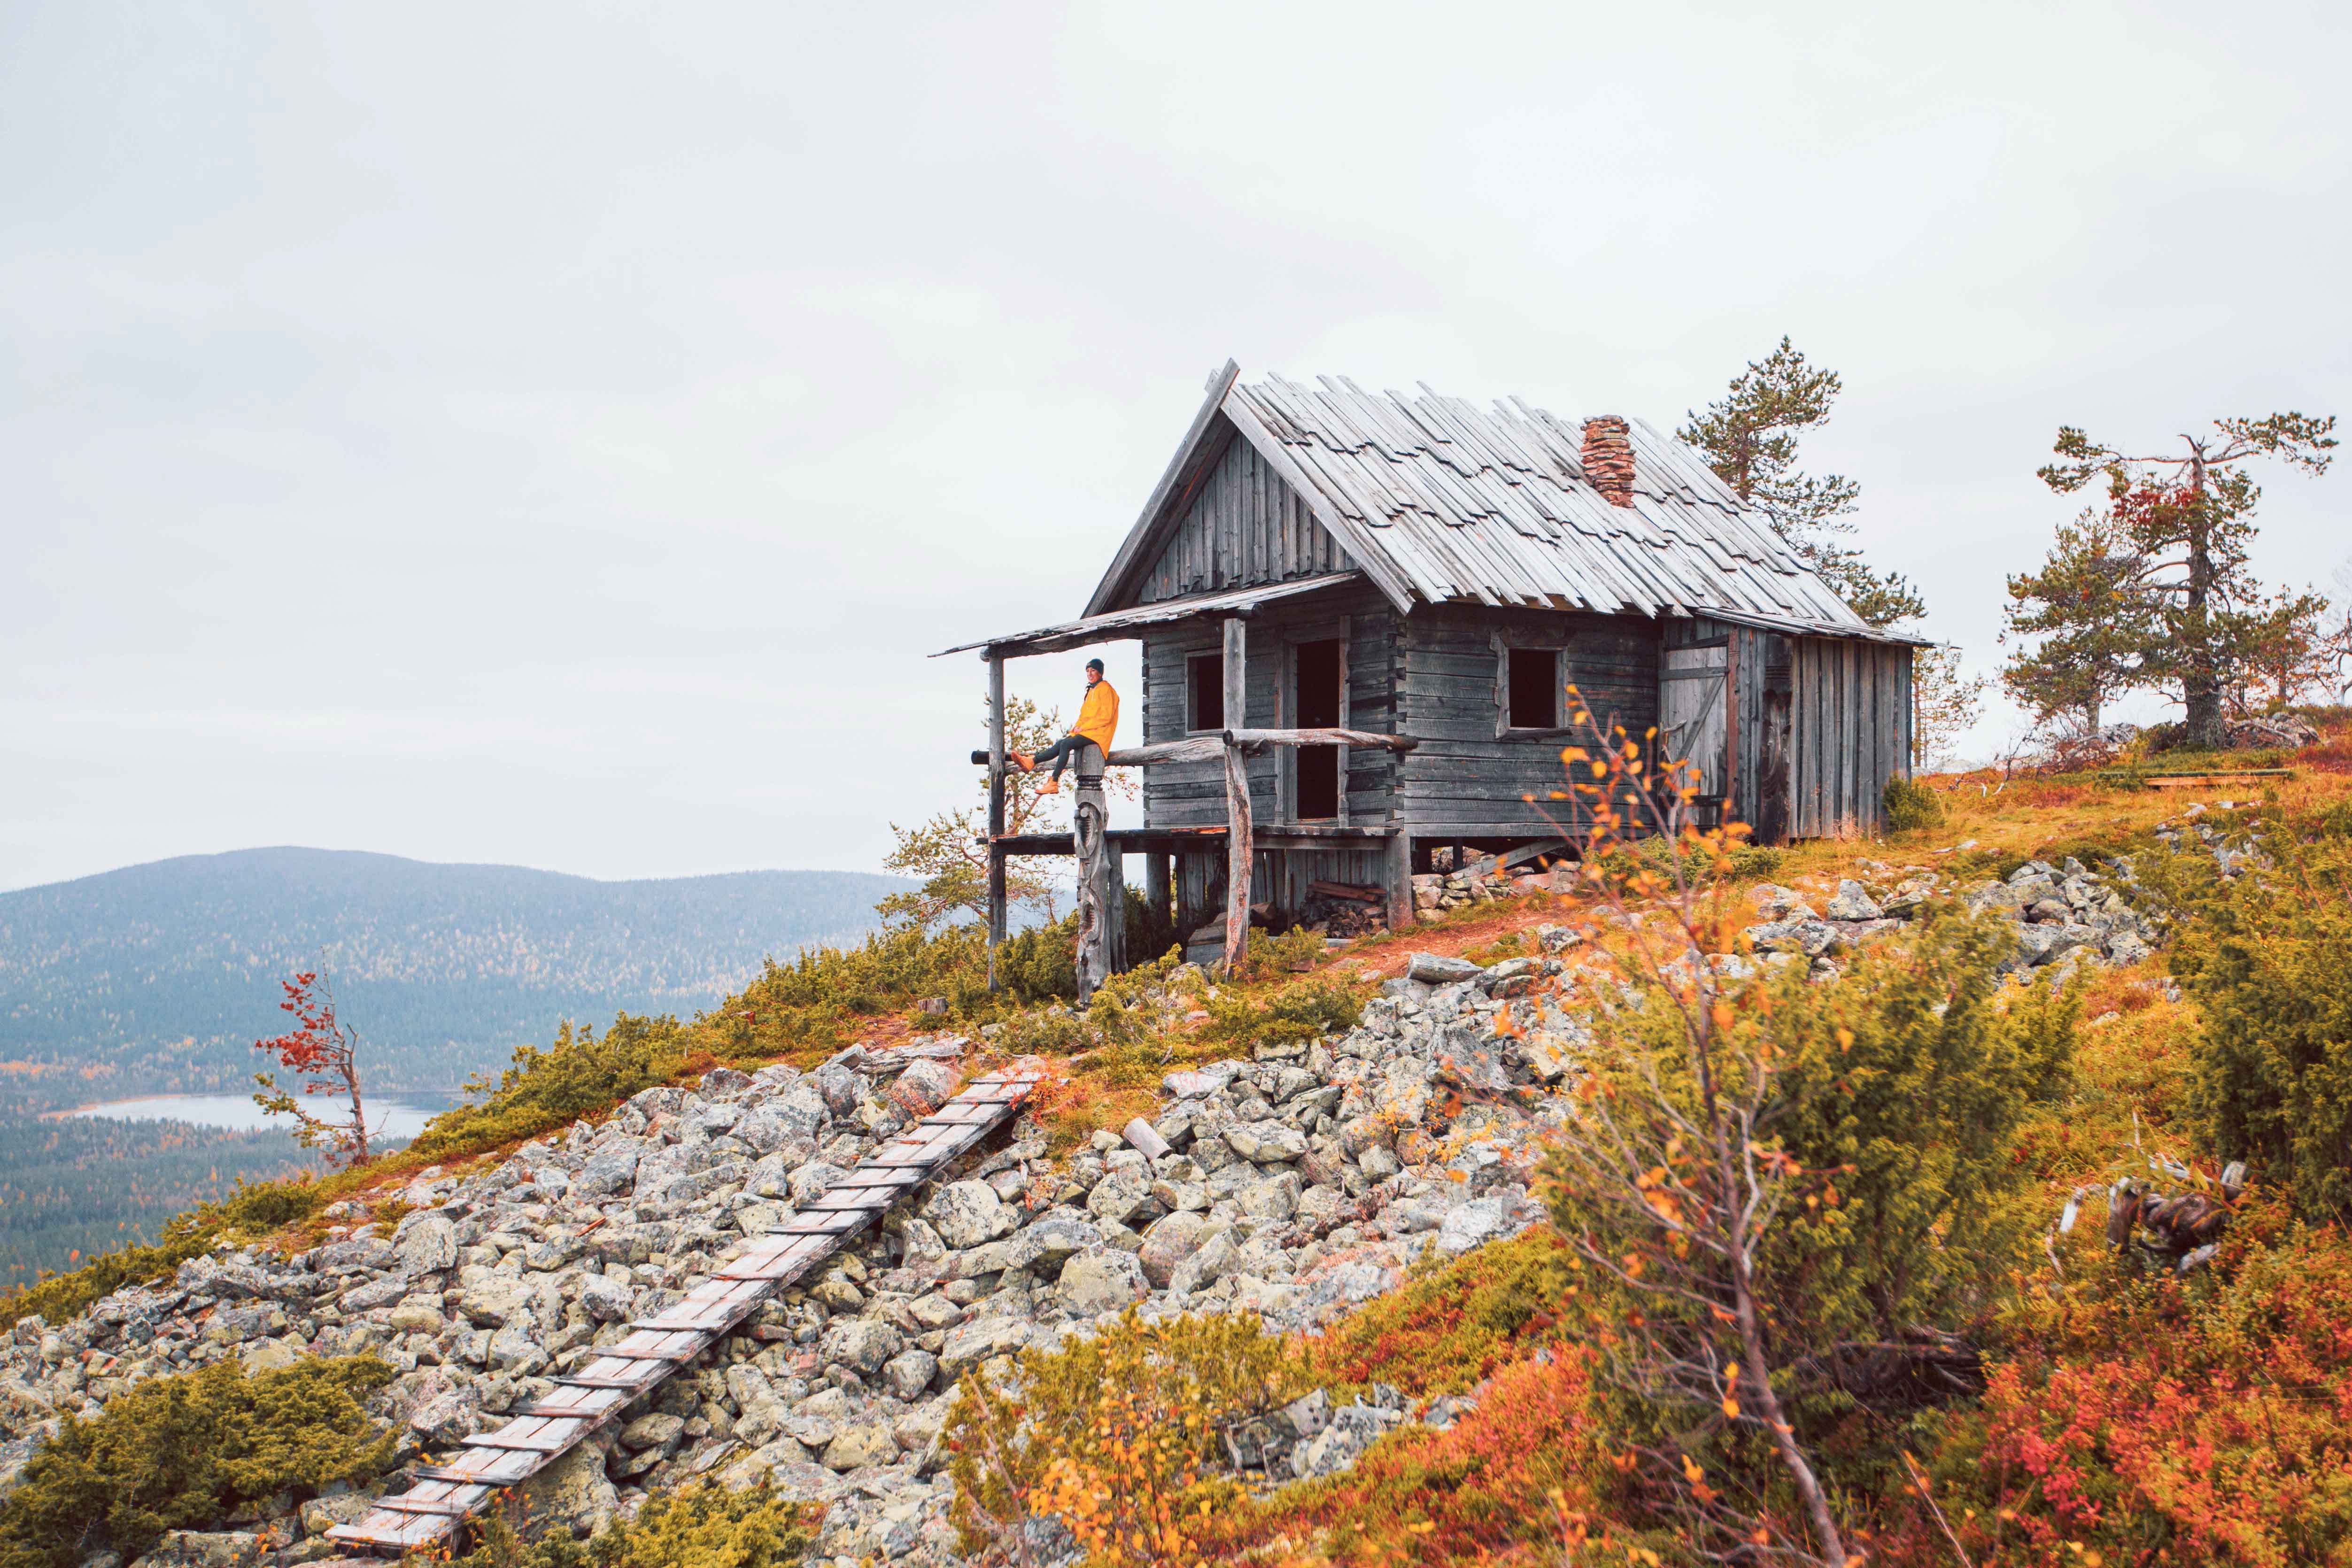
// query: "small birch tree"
[[322, 1052]]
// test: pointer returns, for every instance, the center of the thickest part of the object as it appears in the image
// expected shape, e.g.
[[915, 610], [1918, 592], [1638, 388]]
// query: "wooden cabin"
[[1420, 567]]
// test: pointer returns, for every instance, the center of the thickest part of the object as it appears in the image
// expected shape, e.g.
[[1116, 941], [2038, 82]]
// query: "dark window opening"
[[1535, 688], [1206, 674], [1317, 668]]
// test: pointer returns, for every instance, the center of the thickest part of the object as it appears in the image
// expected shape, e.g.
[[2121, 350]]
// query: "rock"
[[270, 1355], [1558, 938], [1052, 1237], [722, 1082], [982, 1341], [1206, 1266], [495, 1299], [969, 1213], [813, 1181], [855, 1448], [923, 1087], [605, 1301], [1351, 1429], [1266, 1143], [653, 1431], [1473, 1225], [864, 1344], [1543, 1054], [1168, 1243], [1777, 904], [417, 1315], [1360, 1133], [1274, 1197], [1118, 1196], [1437, 970], [428, 1245], [205, 1549], [1102, 1281], [446, 1417], [910, 1373], [1853, 903], [573, 1491]]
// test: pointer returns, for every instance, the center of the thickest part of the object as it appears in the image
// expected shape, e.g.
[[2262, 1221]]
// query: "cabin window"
[[1533, 688], [1204, 691]]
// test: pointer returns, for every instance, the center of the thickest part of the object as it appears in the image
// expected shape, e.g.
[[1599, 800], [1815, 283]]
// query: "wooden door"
[[1693, 715], [1319, 696]]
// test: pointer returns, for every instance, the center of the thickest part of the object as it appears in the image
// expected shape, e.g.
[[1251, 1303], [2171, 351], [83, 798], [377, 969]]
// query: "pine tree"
[[2187, 518], [2082, 628], [1750, 441]]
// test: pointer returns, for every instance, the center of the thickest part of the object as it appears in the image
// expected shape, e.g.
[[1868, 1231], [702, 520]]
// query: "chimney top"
[[1608, 458]]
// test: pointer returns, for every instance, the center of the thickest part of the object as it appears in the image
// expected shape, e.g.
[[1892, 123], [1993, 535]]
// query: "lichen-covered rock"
[[1168, 1243], [860, 1343], [1104, 1280], [968, 1213], [1119, 1196], [1852, 902], [1266, 1143]]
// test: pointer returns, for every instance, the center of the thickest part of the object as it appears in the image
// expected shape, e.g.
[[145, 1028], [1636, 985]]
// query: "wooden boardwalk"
[[612, 1379]]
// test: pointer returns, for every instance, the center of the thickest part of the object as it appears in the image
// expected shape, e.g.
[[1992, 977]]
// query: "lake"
[[389, 1115]]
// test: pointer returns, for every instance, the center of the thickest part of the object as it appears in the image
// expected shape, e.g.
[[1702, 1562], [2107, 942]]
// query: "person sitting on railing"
[[1097, 722]]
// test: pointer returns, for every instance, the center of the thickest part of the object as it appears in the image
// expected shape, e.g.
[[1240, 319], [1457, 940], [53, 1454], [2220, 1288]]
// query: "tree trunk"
[[2202, 684]]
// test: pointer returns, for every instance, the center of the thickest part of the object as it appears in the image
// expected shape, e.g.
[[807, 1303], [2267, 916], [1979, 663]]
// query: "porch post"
[[1400, 880], [995, 811], [1237, 843], [1089, 823], [1236, 688]]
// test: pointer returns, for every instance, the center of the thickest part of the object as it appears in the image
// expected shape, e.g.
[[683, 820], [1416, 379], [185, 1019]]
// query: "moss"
[[701, 1525], [181, 1452]]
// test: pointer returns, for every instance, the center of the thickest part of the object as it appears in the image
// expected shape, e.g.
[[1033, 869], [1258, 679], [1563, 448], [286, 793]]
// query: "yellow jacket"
[[1098, 715]]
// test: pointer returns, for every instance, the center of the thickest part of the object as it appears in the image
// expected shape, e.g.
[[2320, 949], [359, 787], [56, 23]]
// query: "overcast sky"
[[558, 434]]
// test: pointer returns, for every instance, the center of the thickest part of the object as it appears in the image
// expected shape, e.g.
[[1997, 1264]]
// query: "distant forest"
[[86, 1184], [159, 977]]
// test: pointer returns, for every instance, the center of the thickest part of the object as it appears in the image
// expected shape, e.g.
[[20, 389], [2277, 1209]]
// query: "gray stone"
[[605, 1301], [573, 1491], [910, 1373], [1473, 1225], [653, 1431], [1102, 1281], [864, 1344], [855, 1448], [923, 1087], [1168, 1243], [1273, 1197], [427, 1245], [1052, 1237], [1206, 1266], [1853, 903], [969, 1213], [1146, 1137], [814, 1180], [1437, 970], [1266, 1143], [494, 1301], [1351, 1430], [1116, 1198], [982, 1341]]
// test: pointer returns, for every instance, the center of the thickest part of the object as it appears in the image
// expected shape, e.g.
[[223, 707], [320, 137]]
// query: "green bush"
[[1665, 856], [1323, 1004], [181, 1452], [1901, 1088], [1910, 805], [701, 1525], [583, 1071], [2265, 957]]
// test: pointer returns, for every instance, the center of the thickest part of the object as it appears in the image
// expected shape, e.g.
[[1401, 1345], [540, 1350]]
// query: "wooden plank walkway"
[[613, 1378]]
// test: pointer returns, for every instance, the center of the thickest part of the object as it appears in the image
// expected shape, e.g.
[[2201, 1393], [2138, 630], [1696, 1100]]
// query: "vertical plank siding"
[[1244, 529], [1852, 721]]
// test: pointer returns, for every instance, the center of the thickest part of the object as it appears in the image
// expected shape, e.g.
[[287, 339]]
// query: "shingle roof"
[[1451, 501]]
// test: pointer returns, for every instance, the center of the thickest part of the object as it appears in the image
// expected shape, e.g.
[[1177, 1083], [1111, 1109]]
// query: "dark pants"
[[1062, 753]]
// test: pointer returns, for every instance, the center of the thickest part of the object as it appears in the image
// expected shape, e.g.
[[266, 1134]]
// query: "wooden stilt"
[[1398, 868], [1237, 855], [996, 812], [1089, 818]]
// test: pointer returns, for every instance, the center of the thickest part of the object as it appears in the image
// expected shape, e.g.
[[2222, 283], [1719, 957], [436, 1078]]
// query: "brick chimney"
[[1608, 458]]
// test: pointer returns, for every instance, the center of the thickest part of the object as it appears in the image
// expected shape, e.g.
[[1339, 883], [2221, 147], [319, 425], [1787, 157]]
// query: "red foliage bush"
[[2166, 1422], [1481, 1491]]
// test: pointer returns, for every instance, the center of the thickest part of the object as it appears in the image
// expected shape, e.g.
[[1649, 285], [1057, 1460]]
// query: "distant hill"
[[159, 977]]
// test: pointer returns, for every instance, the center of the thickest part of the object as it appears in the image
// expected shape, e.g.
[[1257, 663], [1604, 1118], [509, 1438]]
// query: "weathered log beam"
[[1209, 747]]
